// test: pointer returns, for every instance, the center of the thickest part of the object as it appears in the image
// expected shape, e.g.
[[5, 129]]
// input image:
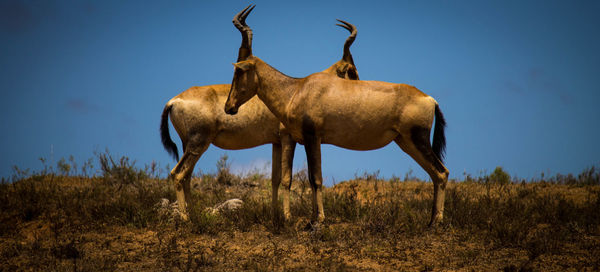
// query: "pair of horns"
[[239, 21], [350, 27]]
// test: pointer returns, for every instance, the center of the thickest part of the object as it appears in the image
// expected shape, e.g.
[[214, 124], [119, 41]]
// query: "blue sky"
[[516, 80]]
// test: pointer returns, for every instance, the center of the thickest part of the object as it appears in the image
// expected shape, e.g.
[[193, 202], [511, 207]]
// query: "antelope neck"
[[275, 89]]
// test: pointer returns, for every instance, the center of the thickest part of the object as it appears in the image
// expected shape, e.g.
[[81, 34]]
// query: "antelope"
[[359, 115], [197, 116]]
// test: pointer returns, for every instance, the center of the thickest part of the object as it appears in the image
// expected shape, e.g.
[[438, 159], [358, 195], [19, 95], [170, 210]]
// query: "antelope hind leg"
[[181, 175], [419, 148]]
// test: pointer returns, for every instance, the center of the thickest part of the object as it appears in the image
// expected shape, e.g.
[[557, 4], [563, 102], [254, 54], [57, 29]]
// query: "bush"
[[121, 171], [224, 175], [499, 176]]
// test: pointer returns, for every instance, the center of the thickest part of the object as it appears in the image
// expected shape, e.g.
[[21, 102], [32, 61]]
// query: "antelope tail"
[[439, 137], [168, 144]]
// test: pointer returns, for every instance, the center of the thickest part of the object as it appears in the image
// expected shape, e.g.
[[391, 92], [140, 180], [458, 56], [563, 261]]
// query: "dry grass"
[[111, 222]]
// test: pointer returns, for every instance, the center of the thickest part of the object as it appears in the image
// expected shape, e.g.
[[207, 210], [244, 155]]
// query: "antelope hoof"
[[312, 226], [435, 221], [183, 216]]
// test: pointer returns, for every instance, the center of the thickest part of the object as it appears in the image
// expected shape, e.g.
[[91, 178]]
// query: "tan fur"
[[198, 117], [193, 107], [358, 115]]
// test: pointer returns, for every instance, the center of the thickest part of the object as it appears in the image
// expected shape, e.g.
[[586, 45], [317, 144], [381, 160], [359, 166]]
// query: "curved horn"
[[350, 27], [239, 21]]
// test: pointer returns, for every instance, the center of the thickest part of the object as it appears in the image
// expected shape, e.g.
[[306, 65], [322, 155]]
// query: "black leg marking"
[[420, 138]]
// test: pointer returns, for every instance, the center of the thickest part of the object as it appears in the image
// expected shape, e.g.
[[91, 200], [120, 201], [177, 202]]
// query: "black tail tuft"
[[439, 137], [168, 144]]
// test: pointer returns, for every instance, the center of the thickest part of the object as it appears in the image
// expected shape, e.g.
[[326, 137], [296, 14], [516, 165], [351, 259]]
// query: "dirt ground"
[[135, 249], [51, 244]]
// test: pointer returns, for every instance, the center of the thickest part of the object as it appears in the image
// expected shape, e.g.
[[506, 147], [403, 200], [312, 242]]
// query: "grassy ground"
[[112, 222]]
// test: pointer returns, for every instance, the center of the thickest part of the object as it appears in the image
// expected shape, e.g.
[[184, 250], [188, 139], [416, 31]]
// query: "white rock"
[[229, 205]]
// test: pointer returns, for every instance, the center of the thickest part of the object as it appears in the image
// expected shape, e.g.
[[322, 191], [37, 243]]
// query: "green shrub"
[[499, 176]]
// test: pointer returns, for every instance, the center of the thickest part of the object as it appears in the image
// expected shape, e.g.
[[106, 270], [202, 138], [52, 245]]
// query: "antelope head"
[[243, 87], [245, 82]]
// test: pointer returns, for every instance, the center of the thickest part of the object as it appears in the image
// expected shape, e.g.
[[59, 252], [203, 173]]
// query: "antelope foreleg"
[[288, 146], [312, 146], [275, 180]]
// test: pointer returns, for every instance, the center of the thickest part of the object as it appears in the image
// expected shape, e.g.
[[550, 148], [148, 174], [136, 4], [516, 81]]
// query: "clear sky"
[[518, 81]]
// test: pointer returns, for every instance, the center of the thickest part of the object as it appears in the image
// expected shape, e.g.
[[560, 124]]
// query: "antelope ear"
[[243, 65], [342, 69], [352, 73]]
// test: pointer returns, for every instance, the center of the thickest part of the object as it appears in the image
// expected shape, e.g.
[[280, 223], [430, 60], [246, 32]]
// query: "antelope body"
[[358, 115], [198, 117]]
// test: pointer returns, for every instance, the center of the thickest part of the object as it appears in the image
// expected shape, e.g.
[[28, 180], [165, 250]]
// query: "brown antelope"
[[359, 115], [198, 117]]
